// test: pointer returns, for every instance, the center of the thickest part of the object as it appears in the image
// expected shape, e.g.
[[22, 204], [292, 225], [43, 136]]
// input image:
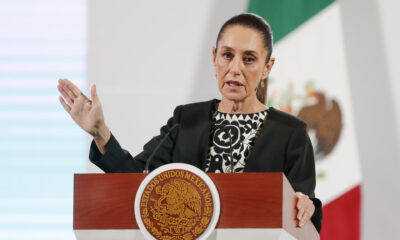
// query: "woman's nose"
[[235, 67]]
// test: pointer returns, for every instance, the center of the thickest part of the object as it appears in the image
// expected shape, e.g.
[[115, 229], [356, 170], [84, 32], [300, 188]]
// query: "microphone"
[[146, 169], [230, 146]]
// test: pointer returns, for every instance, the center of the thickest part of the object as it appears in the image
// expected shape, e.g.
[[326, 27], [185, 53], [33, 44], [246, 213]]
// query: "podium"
[[253, 206]]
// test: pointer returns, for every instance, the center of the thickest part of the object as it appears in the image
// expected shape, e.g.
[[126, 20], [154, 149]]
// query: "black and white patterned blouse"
[[243, 129]]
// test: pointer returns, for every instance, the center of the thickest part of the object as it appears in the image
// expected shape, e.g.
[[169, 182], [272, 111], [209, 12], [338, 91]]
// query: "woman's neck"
[[242, 107]]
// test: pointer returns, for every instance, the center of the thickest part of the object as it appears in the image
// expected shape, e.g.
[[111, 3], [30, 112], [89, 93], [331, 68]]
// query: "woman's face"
[[240, 63]]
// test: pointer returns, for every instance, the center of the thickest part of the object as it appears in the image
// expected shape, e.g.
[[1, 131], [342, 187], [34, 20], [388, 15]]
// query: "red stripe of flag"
[[341, 220]]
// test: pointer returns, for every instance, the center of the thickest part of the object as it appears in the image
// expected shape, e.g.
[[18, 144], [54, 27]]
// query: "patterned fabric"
[[243, 129]]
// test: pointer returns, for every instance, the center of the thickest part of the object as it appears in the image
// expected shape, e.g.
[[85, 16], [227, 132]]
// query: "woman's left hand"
[[305, 208]]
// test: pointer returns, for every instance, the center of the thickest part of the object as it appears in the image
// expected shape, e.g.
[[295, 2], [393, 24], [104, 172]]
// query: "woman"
[[236, 134]]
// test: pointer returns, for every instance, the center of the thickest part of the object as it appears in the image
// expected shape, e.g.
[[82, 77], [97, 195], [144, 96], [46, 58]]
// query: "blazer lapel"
[[205, 134], [195, 133]]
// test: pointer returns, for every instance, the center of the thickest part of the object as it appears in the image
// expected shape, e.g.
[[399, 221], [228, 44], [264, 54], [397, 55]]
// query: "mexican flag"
[[310, 80]]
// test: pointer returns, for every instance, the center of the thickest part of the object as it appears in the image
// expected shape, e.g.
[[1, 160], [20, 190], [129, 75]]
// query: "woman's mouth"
[[234, 84]]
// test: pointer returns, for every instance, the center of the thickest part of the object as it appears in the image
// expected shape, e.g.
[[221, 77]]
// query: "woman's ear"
[[267, 68], [214, 53]]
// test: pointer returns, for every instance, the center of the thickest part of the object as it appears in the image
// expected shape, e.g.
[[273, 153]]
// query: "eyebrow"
[[249, 52]]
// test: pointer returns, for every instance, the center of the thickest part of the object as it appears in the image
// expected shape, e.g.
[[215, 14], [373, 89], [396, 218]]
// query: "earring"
[[262, 84]]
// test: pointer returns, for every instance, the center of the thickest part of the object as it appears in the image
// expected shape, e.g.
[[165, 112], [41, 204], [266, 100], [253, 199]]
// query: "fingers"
[[71, 96], [305, 209], [71, 87], [65, 95], [301, 207], [66, 92], [93, 94], [73, 100], [69, 91], [301, 211], [78, 107], [64, 104], [308, 212]]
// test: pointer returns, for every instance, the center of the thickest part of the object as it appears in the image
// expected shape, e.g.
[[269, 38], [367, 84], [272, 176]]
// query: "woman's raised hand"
[[87, 113]]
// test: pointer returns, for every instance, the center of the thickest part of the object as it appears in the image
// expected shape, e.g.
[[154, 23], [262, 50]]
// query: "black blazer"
[[282, 146]]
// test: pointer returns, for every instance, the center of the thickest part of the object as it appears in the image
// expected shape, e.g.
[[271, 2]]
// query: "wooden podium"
[[253, 206]]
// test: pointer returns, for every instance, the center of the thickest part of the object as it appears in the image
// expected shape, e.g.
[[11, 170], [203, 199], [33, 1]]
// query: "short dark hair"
[[255, 22]]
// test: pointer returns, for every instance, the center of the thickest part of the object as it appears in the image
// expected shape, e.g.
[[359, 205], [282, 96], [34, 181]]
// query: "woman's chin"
[[235, 97]]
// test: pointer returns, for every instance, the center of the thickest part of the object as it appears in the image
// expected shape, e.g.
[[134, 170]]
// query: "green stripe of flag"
[[286, 15]]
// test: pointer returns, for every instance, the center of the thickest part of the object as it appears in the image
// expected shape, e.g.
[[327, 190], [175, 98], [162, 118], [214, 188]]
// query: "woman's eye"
[[249, 59], [227, 55]]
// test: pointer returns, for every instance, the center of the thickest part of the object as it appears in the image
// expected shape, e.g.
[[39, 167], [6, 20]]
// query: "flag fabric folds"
[[310, 80]]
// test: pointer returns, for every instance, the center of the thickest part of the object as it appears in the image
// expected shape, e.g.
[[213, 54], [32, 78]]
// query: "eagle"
[[324, 123], [179, 198]]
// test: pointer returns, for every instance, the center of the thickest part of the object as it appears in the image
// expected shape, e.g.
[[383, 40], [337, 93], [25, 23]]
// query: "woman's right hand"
[[88, 114]]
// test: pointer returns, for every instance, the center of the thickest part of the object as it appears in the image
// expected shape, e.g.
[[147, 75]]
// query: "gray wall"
[[147, 57], [370, 30]]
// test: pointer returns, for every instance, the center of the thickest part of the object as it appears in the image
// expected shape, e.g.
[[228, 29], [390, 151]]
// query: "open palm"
[[87, 113]]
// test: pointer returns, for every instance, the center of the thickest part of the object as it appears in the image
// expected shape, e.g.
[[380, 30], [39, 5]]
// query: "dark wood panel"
[[248, 200], [105, 201]]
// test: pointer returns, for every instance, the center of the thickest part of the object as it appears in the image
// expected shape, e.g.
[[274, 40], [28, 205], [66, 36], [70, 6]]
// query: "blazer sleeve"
[[118, 160], [300, 169]]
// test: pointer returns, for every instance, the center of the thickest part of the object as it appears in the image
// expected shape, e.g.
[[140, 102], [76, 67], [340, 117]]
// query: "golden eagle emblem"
[[176, 205]]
